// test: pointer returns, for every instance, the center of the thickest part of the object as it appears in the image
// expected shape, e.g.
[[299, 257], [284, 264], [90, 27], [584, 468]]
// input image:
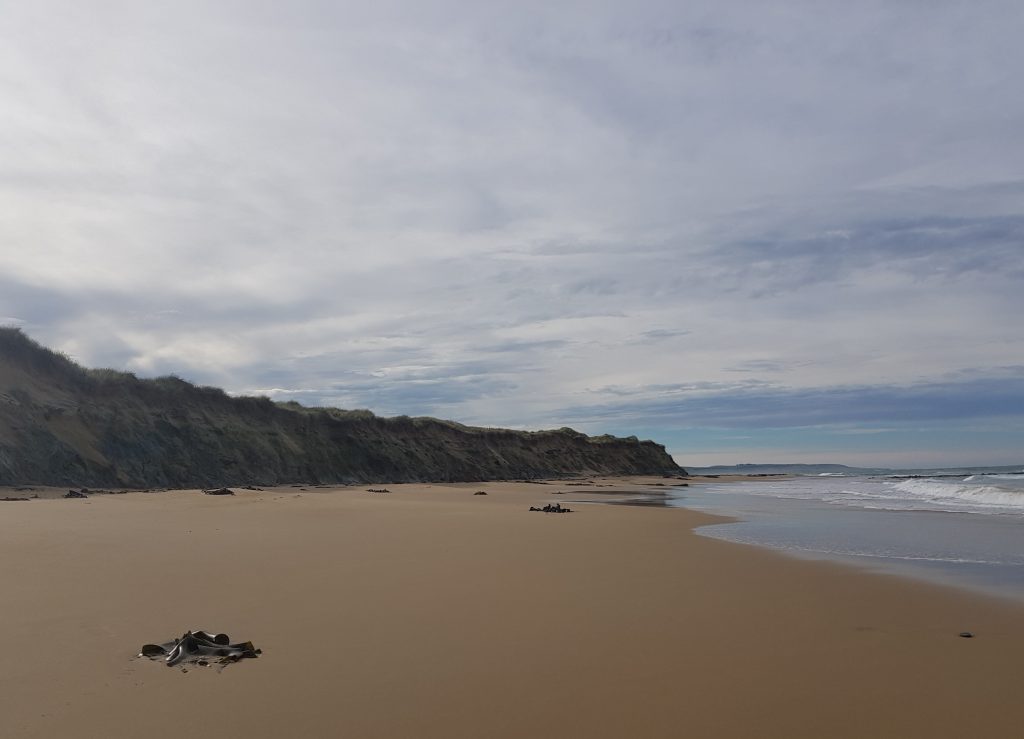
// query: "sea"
[[961, 526]]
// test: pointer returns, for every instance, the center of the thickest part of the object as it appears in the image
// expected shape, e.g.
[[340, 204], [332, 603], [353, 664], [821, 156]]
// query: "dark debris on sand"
[[200, 648], [219, 491], [556, 508]]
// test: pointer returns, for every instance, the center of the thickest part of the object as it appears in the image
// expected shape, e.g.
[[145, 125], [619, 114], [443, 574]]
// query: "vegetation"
[[62, 424]]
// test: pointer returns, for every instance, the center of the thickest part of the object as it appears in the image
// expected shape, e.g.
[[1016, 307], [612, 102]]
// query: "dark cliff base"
[[61, 424]]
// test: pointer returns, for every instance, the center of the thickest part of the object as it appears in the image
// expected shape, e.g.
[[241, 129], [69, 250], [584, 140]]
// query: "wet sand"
[[431, 612]]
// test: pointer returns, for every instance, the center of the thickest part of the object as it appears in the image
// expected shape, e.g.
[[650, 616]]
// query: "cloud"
[[541, 206], [754, 406], [942, 248]]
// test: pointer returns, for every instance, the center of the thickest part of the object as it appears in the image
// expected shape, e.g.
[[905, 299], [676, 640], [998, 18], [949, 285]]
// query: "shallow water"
[[951, 529]]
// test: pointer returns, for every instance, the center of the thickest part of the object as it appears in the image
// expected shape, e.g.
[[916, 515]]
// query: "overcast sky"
[[753, 231]]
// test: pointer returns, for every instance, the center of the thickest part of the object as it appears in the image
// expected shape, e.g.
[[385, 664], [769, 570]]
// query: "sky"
[[754, 232]]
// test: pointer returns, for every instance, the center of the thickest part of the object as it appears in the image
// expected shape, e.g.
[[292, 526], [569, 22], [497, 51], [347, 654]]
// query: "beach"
[[429, 611], [955, 527]]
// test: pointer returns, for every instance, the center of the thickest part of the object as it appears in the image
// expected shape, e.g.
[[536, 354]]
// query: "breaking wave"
[[993, 476], [962, 494], [979, 493]]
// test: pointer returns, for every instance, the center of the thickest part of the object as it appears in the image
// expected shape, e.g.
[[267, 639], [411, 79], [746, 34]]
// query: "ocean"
[[961, 527]]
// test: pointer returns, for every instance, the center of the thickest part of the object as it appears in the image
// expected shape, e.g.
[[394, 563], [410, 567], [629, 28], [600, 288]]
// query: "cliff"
[[61, 424]]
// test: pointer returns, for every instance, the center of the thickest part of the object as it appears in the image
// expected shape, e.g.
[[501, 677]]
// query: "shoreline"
[[810, 535], [647, 491], [432, 612]]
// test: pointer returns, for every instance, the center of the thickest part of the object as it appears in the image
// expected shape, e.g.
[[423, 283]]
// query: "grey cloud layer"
[[756, 406], [498, 212]]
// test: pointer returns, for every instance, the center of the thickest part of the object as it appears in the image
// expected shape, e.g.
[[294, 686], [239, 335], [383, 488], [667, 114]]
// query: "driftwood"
[[219, 491]]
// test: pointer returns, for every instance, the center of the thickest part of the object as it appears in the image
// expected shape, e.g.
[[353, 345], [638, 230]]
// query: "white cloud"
[[618, 194]]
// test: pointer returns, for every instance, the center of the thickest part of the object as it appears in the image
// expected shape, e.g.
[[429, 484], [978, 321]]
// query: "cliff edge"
[[62, 424]]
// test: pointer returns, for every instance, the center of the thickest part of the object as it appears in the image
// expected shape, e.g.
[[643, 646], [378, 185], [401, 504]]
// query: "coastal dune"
[[432, 612]]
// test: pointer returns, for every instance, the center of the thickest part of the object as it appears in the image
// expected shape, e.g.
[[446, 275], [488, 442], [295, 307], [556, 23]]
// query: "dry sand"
[[431, 612]]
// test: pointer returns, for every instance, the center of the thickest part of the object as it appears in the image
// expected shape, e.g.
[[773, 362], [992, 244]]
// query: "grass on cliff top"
[[18, 349]]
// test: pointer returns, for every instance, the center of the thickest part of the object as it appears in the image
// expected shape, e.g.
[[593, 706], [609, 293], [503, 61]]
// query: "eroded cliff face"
[[61, 424]]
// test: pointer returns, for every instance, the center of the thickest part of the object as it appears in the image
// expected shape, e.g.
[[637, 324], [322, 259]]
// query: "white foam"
[[983, 495], [957, 493]]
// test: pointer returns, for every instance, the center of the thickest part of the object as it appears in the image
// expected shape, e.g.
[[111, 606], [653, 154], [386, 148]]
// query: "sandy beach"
[[432, 612]]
